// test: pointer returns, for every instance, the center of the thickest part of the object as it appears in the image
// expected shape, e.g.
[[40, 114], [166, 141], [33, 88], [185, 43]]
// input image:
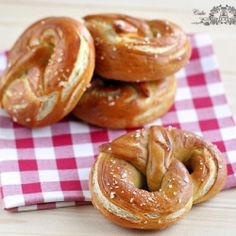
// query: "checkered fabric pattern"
[[49, 167]]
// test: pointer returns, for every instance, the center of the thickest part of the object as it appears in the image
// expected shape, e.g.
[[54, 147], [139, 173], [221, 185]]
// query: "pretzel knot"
[[150, 178], [111, 101], [48, 69], [133, 49]]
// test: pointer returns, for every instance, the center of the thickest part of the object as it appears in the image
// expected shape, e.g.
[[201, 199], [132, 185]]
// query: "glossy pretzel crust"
[[48, 69], [118, 105], [133, 49], [148, 179]]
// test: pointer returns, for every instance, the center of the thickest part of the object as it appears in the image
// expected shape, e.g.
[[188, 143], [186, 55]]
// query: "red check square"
[[31, 188], [27, 165], [208, 124], [66, 163], [202, 102], [98, 136], [70, 185], [24, 143], [196, 80], [221, 146], [230, 170], [62, 140], [195, 54]]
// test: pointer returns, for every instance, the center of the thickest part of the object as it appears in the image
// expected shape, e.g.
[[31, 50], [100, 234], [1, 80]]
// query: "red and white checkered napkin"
[[49, 167]]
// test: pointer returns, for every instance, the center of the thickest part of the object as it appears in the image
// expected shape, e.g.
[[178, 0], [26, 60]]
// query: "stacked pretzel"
[[51, 65], [135, 64]]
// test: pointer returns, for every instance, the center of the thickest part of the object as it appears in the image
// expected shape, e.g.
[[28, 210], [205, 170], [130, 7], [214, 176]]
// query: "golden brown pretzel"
[[132, 49], [48, 69], [150, 178], [117, 105]]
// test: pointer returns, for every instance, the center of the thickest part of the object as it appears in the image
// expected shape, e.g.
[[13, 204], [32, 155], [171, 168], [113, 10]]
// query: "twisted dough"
[[150, 178], [132, 49], [49, 68], [120, 105]]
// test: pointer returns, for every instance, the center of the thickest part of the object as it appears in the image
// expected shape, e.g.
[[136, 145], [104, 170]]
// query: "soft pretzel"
[[116, 104], [148, 179], [48, 69], [133, 49]]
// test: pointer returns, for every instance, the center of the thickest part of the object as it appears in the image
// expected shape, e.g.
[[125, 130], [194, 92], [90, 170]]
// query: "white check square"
[[78, 128], [222, 111], [232, 156], [53, 196], [216, 89], [87, 195], [48, 176], [8, 134], [228, 133], [81, 150], [42, 132], [8, 154], [209, 63], [181, 73], [183, 94], [45, 153], [10, 178], [83, 173], [187, 116], [14, 201], [202, 40]]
